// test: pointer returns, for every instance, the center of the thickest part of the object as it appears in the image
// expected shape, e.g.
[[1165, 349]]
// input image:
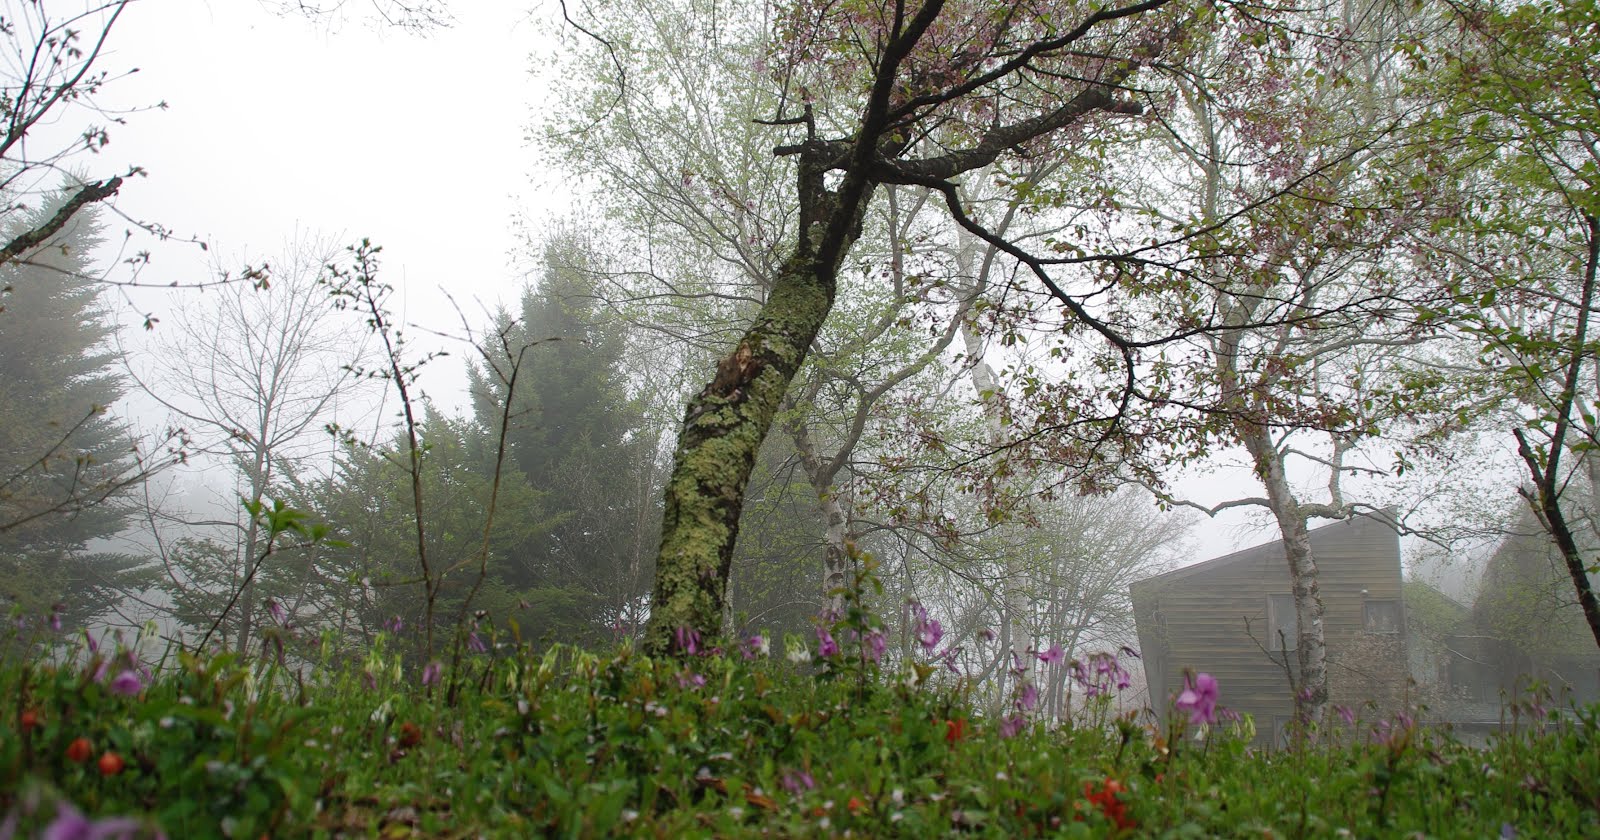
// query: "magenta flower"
[[1346, 714], [686, 640], [874, 645], [929, 633], [71, 825], [798, 781], [826, 646], [127, 684], [394, 625], [276, 610], [1028, 697], [687, 680], [1052, 655], [431, 673], [927, 630], [1199, 699], [1009, 727], [475, 643]]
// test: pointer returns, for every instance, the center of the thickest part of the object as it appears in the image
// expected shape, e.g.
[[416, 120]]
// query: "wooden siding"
[[1212, 617]]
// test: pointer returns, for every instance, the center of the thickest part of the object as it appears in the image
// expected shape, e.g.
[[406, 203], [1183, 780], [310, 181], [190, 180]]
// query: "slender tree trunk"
[[836, 520], [1310, 644], [1547, 478]]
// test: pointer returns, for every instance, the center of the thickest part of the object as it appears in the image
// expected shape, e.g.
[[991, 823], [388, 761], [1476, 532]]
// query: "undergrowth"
[[573, 743]]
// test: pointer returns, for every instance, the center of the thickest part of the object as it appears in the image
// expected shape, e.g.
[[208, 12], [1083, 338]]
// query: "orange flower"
[[79, 750], [1105, 799], [955, 730], [855, 805], [110, 764]]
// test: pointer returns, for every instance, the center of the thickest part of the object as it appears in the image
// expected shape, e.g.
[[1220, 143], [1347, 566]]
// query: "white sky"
[[278, 127]]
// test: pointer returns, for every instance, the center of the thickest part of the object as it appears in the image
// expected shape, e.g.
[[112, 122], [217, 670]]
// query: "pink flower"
[[688, 680], [797, 781], [826, 646], [431, 673], [1028, 697], [929, 634], [686, 640], [475, 643], [1009, 727], [874, 645], [1199, 699], [127, 684], [1052, 655]]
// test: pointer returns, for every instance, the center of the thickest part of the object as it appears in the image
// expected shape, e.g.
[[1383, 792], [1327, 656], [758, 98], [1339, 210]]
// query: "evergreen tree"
[[63, 459], [369, 504], [575, 434]]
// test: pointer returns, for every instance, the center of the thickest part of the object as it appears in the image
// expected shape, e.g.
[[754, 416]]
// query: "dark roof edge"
[[1385, 516]]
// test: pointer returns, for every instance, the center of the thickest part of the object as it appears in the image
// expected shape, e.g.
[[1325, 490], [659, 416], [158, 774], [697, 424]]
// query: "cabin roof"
[[1258, 552]]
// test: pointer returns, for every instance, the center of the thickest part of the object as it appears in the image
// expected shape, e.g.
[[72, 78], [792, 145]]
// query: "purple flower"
[[55, 617], [1009, 727], [127, 684], [1347, 714], [71, 825], [276, 610], [475, 643], [431, 673], [874, 645], [1199, 699], [369, 680], [826, 646], [1052, 655], [688, 679], [94, 644], [1028, 697], [929, 633], [798, 781], [394, 625], [686, 640], [755, 646], [986, 635]]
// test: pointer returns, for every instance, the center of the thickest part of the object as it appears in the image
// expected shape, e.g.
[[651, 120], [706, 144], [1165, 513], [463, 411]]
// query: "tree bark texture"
[[726, 422], [1311, 684]]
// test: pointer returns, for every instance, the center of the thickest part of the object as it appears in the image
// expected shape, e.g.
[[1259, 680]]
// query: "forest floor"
[[572, 743]]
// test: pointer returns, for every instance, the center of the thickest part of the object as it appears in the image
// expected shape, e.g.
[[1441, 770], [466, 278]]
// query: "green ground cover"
[[572, 743]]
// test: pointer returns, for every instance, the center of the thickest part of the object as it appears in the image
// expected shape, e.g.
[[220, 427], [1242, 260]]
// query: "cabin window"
[[1382, 616], [1282, 630]]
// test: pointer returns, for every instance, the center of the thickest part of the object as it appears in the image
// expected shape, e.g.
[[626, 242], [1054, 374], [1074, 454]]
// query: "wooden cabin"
[[1233, 617]]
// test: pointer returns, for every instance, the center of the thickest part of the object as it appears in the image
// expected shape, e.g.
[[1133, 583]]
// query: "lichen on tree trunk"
[[726, 422]]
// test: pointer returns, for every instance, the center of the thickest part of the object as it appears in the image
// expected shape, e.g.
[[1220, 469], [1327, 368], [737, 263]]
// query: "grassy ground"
[[578, 744]]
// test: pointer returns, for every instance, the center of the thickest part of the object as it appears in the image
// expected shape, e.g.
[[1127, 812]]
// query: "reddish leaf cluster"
[[1105, 800]]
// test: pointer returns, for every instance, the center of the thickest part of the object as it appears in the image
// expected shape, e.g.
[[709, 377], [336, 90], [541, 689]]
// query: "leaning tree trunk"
[[726, 422]]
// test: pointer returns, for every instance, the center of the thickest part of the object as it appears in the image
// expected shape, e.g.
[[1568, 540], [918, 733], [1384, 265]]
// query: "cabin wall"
[[1213, 617]]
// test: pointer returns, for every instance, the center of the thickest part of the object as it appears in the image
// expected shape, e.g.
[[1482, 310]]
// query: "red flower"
[[1105, 799], [79, 750], [410, 735], [110, 764], [955, 730], [29, 720]]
